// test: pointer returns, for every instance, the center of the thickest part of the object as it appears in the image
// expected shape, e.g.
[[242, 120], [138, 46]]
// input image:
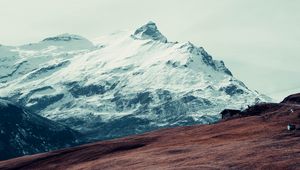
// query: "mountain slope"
[[259, 141], [22, 132], [125, 83]]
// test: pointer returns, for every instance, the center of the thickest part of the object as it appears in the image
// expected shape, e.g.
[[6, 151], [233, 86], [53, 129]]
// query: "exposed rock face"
[[125, 83], [257, 140], [64, 37], [150, 31], [23, 133], [230, 113]]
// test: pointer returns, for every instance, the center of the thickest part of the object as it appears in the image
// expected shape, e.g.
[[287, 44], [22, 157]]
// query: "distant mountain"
[[256, 139], [121, 84], [23, 133]]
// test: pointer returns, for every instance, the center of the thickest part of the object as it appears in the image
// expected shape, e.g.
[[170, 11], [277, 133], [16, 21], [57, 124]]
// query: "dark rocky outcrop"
[[292, 99], [23, 133], [149, 31], [229, 113]]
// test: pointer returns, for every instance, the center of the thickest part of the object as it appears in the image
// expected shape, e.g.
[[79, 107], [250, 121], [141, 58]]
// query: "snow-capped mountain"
[[22, 132], [124, 83]]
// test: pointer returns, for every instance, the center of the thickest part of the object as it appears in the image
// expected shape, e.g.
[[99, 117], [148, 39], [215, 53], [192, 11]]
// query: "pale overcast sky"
[[259, 40]]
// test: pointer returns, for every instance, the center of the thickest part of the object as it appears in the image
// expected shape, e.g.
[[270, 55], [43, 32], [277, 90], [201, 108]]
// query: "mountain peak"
[[64, 37], [149, 31], [63, 42]]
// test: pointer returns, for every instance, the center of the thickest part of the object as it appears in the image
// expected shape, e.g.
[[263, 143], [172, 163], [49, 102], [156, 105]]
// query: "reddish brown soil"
[[259, 141]]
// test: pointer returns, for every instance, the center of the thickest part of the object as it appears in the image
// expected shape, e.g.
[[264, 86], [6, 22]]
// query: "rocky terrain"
[[257, 138], [125, 83], [23, 132]]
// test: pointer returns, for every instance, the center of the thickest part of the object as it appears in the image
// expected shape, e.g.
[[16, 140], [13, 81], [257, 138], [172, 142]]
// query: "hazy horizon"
[[258, 41]]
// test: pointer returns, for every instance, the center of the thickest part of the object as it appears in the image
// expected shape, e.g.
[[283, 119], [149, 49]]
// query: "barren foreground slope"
[[259, 140]]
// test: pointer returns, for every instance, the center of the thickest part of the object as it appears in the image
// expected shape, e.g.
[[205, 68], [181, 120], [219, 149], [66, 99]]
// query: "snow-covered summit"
[[63, 42], [205, 57], [125, 84], [65, 37], [149, 31]]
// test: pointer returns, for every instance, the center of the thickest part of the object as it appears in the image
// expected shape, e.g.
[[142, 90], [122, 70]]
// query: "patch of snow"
[[135, 75]]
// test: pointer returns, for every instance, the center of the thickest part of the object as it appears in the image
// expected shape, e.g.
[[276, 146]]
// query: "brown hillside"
[[259, 140]]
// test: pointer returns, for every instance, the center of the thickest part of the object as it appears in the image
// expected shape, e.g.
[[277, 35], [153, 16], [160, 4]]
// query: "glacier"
[[128, 82]]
